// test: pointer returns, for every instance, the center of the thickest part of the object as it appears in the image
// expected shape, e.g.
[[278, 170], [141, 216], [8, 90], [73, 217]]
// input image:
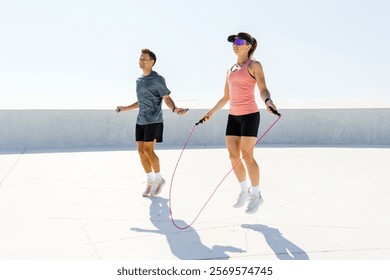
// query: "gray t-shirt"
[[150, 90]]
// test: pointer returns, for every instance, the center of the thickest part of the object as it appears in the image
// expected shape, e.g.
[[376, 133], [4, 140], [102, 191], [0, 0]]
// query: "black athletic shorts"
[[149, 132], [245, 125]]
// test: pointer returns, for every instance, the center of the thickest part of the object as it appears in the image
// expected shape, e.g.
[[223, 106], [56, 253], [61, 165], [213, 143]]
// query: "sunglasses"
[[238, 42]]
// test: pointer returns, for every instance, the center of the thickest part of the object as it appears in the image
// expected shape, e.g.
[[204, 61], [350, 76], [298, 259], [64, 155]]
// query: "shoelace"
[[252, 200], [242, 194]]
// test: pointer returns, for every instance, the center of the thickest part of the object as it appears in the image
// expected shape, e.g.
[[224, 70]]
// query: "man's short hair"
[[151, 54]]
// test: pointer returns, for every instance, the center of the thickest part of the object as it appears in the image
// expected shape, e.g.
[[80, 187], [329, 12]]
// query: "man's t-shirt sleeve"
[[162, 87]]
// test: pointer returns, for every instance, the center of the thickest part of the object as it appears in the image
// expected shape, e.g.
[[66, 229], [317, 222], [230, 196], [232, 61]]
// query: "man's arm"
[[171, 105], [128, 108]]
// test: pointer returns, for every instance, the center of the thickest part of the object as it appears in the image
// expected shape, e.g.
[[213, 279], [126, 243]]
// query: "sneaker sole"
[[147, 194], [240, 205]]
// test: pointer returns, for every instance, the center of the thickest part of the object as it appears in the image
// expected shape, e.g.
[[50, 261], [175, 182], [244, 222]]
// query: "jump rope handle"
[[200, 121], [275, 111]]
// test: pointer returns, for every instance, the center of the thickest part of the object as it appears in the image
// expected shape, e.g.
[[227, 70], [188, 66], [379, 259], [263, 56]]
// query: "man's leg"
[[150, 155], [159, 182], [146, 164]]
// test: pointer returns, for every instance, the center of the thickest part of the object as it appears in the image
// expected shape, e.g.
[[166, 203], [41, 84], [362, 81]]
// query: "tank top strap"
[[246, 65]]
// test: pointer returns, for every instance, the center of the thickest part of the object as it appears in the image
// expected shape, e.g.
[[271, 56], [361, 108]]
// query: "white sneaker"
[[242, 198], [254, 203], [149, 187], [157, 187]]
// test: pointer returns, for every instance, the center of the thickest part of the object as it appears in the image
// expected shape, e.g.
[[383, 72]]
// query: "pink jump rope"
[[185, 145]]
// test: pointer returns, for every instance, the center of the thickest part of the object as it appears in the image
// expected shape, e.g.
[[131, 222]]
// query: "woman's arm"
[[220, 104], [257, 71]]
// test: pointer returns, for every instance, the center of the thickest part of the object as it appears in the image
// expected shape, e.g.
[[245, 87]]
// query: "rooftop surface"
[[320, 203]]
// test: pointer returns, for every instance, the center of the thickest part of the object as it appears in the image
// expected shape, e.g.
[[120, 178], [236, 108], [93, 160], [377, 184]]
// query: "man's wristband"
[[267, 99], [174, 108]]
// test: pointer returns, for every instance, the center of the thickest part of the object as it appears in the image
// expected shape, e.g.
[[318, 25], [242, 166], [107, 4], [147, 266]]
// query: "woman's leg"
[[233, 146], [246, 144]]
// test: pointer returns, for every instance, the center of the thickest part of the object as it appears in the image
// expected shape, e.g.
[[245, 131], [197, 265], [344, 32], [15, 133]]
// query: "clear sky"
[[77, 54]]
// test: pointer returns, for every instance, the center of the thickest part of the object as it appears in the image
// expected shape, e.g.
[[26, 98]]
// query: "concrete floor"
[[320, 203]]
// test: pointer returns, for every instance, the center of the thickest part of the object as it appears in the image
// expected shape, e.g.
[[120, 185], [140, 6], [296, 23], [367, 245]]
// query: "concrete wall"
[[40, 129]]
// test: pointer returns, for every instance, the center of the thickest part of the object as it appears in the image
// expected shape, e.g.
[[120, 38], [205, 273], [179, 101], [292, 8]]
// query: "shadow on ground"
[[282, 247], [184, 244]]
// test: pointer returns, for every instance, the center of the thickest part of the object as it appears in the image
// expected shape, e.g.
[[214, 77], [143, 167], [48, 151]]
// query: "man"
[[151, 90]]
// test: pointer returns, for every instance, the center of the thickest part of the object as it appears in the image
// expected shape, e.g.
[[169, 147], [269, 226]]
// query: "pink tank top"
[[242, 91]]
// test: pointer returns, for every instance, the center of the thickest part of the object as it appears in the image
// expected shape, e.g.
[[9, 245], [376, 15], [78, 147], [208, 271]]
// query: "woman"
[[244, 117]]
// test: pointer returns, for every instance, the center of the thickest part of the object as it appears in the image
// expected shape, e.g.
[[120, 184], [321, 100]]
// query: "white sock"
[[244, 186], [158, 176], [255, 190], [150, 176]]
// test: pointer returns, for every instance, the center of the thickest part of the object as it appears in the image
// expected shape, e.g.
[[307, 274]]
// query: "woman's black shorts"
[[245, 125], [149, 132]]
